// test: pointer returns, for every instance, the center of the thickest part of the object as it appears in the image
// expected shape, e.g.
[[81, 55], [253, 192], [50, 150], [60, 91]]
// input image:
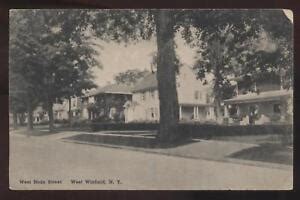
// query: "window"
[[207, 98], [156, 111], [207, 113], [143, 96], [153, 94], [233, 110], [253, 110], [152, 113], [277, 108], [196, 94]]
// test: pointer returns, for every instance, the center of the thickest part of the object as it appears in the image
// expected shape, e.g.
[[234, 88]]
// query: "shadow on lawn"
[[37, 131], [141, 142], [267, 152], [42, 132]]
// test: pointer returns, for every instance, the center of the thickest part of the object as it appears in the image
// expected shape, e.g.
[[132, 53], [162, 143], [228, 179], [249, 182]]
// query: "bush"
[[202, 130], [45, 122], [123, 126], [80, 123], [207, 130], [61, 121]]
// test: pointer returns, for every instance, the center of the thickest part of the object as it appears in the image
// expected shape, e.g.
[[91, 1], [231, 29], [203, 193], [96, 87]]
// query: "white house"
[[269, 103], [108, 102], [195, 99], [60, 111]]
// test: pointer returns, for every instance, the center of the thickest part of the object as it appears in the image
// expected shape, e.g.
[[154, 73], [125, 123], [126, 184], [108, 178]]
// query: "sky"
[[116, 58]]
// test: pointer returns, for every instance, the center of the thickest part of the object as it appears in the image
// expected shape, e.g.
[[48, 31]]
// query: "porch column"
[[197, 112], [238, 110], [180, 114], [225, 111]]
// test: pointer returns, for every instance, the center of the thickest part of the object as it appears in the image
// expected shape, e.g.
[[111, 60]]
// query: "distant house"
[[39, 115], [194, 98], [60, 111], [106, 103], [267, 103]]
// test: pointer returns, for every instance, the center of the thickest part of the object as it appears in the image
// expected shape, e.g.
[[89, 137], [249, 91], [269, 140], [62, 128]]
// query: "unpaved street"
[[47, 162]]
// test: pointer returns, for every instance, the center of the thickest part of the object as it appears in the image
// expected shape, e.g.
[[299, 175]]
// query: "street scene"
[[151, 99]]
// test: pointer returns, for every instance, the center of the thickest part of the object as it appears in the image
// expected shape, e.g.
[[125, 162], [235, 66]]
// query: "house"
[[39, 115], [266, 103], [106, 103], [194, 98], [60, 110]]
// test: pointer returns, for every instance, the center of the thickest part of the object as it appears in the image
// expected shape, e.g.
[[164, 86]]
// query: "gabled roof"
[[263, 96], [111, 89], [149, 82]]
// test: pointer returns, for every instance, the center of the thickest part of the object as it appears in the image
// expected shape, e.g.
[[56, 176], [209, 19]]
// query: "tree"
[[17, 107], [226, 46], [225, 33], [130, 77], [134, 25], [23, 64], [59, 53]]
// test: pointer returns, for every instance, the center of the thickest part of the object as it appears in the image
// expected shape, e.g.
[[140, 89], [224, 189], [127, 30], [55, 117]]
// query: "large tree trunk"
[[30, 115], [21, 119], [218, 111], [50, 115], [15, 120], [69, 111], [166, 77], [217, 61]]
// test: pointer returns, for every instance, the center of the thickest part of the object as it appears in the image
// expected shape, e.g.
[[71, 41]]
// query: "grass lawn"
[[252, 139], [273, 153], [214, 149], [41, 130], [271, 148], [133, 140]]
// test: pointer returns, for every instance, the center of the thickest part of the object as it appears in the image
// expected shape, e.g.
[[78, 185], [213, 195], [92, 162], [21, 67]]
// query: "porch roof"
[[194, 104], [261, 97], [111, 89]]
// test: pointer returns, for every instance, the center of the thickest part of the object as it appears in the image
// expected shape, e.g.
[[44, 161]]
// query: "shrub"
[[80, 123], [61, 121], [123, 126], [206, 130], [202, 130]]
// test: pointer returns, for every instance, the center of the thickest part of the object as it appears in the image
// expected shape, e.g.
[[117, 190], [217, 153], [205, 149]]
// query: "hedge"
[[203, 130], [236, 130], [123, 126]]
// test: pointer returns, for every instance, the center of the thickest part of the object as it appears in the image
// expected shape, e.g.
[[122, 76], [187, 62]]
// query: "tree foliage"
[[50, 54], [239, 43], [130, 77]]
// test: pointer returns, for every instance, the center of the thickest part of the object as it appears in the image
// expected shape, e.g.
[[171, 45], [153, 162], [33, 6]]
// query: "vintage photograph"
[[151, 99]]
